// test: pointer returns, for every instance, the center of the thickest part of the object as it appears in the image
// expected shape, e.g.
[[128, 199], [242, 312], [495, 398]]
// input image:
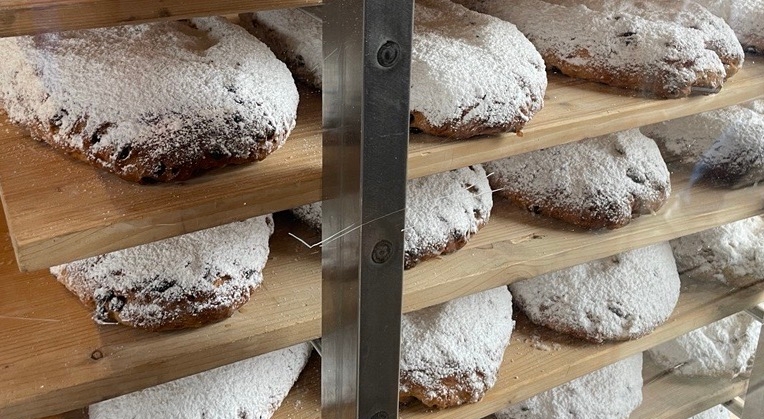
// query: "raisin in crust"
[[714, 31], [657, 58], [151, 103], [185, 281], [622, 297], [594, 183]]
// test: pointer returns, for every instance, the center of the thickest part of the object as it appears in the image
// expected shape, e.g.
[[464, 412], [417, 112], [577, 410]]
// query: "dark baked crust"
[[189, 310]]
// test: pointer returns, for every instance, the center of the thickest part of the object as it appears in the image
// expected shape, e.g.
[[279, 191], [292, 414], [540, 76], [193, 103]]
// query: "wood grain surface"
[[47, 340], [59, 209], [26, 17], [539, 359]]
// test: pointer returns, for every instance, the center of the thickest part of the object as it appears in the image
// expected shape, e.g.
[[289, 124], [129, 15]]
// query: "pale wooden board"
[[61, 375], [47, 339], [25, 17], [516, 245], [670, 396], [87, 212], [528, 370]]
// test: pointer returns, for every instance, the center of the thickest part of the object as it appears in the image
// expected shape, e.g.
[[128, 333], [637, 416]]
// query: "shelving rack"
[[53, 359]]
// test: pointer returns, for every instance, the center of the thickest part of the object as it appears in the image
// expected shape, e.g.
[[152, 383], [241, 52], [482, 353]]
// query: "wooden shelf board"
[[58, 374], [670, 396], [26, 17], [80, 211], [664, 396], [539, 359], [517, 245]]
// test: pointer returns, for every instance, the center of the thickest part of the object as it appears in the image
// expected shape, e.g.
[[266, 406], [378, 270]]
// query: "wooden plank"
[[87, 212], [25, 17], [47, 338], [539, 359], [53, 358], [670, 396], [83, 211], [517, 245]]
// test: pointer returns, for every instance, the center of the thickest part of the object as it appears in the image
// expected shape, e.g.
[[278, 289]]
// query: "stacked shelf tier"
[[539, 359], [54, 359], [88, 212]]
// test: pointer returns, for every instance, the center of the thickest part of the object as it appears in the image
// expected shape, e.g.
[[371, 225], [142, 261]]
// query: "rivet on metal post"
[[381, 253], [380, 415], [388, 54]]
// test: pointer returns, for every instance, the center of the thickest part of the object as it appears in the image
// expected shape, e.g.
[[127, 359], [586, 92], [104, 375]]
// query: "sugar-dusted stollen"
[[755, 105], [732, 253], [621, 297], [451, 353], [253, 388], [716, 34], [612, 392], [721, 349], [716, 412], [724, 146], [598, 182], [184, 281], [443, 211], [471, 74], [656, 57], [155, 102], [745, 17]]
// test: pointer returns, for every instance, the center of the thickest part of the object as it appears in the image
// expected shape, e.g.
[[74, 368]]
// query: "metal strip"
[[366, 75], [754, 397]]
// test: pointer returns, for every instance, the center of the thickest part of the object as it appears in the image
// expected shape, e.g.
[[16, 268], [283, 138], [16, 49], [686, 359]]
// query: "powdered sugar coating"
[[159, 101], [725, 146], [716, 412], [442, 212], [612, 392], [295, 36], [619, 49], [732, 253], [716, 34], [451, 353], [594, 183], [622, 297], [755, 105], [470, 73], [721, 349], [745, 17], [252, 388], [177, 282]]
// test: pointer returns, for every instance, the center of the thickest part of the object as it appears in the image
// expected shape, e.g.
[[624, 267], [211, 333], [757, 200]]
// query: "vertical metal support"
[[367, 64], [754, 397]]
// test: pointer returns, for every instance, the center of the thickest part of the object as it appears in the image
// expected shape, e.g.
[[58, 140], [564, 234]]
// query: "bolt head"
[[382, 251], [388, 54]]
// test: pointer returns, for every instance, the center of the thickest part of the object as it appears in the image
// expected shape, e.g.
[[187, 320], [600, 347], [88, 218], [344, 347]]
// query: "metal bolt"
[[382, 251], [380, 415], [388, 54]]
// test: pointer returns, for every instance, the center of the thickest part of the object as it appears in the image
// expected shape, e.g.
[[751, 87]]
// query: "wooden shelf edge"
[[538, 359], [88, 212], [669, 396], [286, 310], [515, 245], [21, 17]]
